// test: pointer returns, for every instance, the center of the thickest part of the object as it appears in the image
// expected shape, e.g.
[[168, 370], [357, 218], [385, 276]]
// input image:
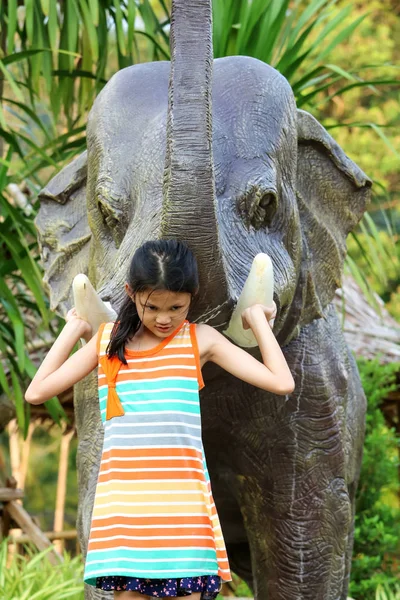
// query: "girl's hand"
[[86, 327], [269, 312]]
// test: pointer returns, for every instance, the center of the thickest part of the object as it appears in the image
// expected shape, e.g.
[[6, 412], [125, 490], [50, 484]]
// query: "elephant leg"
[[297, 542], [350, 543], [293, 481], [355, 415]]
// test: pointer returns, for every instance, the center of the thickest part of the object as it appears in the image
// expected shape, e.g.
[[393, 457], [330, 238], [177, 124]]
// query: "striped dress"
[[154, 515]]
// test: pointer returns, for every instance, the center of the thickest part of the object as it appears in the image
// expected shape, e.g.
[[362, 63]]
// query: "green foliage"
[[243, 591], [387, 592], [375, 246], [377, 522], [41, 481], [33, 577], [374, 259], [299, 39], [376, 39], [67, 48], [23, 304]]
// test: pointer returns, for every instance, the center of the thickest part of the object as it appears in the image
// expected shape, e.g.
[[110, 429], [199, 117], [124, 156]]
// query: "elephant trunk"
[[189, 202]]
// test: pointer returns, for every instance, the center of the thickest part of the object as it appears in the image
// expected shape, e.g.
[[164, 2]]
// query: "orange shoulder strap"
[[111, 367], [99, 338], [193, 339]]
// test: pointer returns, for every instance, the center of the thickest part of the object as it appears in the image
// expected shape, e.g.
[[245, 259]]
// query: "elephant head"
[[245, 174]]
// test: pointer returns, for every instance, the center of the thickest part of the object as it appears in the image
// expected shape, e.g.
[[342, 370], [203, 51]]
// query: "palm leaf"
[[13, 314]]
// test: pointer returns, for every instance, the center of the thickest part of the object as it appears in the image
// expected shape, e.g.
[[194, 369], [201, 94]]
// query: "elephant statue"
[[215, 152]]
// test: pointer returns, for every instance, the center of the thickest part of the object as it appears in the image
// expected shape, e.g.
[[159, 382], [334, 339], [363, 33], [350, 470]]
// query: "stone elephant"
[[217, 154]]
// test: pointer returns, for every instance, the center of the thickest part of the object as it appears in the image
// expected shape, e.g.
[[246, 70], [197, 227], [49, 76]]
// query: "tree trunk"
[[62, 487], [26, 446]]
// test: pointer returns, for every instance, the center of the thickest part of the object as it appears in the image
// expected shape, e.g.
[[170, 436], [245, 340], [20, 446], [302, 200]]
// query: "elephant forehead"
[[126, 140], [143, 87], [254, 110], [130, 108], [128, 165]]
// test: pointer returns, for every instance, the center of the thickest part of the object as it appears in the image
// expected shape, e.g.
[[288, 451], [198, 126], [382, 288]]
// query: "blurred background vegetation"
[[342, 60]]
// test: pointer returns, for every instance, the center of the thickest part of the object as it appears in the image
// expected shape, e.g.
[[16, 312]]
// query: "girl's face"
[[161, 311]]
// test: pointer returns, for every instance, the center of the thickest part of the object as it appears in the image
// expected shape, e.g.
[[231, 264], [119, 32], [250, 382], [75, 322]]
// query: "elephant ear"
[[64, 233], [332, 195]]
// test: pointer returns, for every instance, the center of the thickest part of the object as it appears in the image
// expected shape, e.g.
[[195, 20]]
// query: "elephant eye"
[[257, 207], [110, 220]]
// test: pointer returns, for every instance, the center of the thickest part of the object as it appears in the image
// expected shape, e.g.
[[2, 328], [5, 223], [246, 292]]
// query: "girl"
[[155, 531]]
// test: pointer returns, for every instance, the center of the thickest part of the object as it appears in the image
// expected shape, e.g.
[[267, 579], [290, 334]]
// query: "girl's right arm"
[[57, 372], [272, 375]]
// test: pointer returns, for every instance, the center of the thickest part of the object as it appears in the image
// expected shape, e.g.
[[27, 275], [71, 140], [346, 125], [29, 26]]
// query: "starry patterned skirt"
[[208, 585]]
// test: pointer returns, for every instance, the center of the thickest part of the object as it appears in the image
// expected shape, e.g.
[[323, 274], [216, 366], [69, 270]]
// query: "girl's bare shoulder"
[[207, 337]]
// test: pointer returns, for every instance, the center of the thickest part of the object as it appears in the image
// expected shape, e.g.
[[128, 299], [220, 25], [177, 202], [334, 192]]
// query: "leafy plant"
[[243, 590], [374, 259], [377, 522], [23, 304], [32, 576], [67, 48], [386, 592], [296, 38]]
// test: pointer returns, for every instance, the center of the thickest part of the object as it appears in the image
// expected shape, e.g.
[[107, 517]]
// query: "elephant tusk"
[[258, 289], [89, 305]]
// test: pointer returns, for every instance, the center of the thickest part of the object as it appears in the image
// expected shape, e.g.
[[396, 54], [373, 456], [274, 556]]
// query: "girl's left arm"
[[272, 375]]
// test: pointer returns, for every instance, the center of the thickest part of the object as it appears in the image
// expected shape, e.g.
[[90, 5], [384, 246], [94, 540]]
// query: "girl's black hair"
[[156, 265]]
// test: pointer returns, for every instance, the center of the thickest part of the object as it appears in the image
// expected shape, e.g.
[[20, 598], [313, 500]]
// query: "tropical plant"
[[31, 576], [377, 522], [64, 50], [387, 592], [374, 257], [23, 303], [297, 38]]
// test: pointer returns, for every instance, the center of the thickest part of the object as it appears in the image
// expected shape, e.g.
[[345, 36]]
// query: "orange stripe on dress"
[[164, 372], [152, 543], [117, 465], [123, 475], [144, 532], [138, 452], [106, 521]]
